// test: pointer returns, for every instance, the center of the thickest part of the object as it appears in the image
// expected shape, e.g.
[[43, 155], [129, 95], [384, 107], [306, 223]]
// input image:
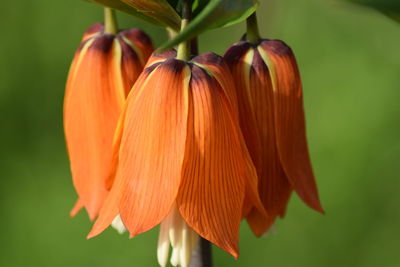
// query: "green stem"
[[184, 47], [110, 21], [253, 34]]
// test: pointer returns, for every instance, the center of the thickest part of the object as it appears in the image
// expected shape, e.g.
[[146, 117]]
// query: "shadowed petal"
[[274, 186], [256, 111], [128, 68], [135, 45], [218, 68], [289, 120], [240, 68], [140, 42]]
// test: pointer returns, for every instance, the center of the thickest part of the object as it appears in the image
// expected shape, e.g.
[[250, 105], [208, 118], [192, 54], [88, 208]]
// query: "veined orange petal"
[[151, 151], [289, 120], [235, 57], [88, 128], [152, 147], [114, 182], [152, 63], [239, 58], [219, 70], [110, 208], [71, 77], [215, 170], [274, 186], [101, 75], [119, 130], [257, 123]]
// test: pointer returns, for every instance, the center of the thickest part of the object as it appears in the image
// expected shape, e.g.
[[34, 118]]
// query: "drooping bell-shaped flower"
[[182, 160], [102, 73], [272, 120]]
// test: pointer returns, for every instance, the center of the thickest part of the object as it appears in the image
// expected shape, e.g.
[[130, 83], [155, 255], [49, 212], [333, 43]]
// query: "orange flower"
[[272, 121], [104, 69], [182, 159]]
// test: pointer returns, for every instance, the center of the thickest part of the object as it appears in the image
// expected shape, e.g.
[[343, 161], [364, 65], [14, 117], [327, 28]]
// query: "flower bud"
[[102, 73], [270, 102]]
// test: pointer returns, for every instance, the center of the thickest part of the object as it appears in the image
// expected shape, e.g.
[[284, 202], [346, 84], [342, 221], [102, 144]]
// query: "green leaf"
[[216, 14], [389, 7], [120, 6], [159, 10]]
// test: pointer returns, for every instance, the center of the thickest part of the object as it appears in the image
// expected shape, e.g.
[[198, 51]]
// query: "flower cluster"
[[194, 145]]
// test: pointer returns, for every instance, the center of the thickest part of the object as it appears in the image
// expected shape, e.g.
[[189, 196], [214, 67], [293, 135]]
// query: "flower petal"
[[290, 121], [274, 186], [152, 147], [216, 66], [140, 43], [128, 67], [256, 111], [88, 128], [77, 207], [135, 45], [219, 70], [152, 150], [240, 68], [215, 170]]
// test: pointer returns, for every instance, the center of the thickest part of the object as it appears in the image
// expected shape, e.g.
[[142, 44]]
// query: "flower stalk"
[[202, 256], [110, 21], [184, 47], [253, 33]]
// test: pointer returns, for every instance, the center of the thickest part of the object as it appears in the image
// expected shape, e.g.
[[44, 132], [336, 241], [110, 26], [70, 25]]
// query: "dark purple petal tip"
[[208, 58], [236, 51]]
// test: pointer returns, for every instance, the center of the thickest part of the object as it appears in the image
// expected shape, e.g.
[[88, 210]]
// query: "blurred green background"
[[350, 62]]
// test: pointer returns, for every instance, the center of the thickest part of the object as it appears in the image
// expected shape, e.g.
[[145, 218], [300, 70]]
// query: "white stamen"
[[163, 245], [175, 227], [175, 257], [175, 232], [118, 225], [186, 248]]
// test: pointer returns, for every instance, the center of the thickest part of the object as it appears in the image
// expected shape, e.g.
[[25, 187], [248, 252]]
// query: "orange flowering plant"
[[191, 143]]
